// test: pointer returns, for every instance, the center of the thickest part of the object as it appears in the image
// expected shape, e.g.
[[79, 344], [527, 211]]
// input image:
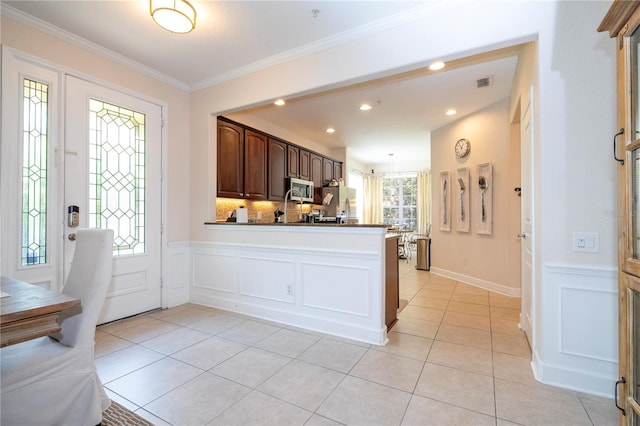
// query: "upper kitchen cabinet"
[[304, 164], [327, 170], [230, 161], [277, 168], [315, 174], [255, 165], [337, 170], [293, 161]]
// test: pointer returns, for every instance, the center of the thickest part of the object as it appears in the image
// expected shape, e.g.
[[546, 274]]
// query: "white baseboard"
[[487, 285]]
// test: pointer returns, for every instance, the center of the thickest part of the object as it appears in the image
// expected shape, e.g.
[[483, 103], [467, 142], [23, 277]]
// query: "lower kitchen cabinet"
[[392, 281]]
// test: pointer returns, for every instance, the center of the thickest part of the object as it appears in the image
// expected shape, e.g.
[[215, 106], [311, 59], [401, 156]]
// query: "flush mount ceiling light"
[[177, 16], [365, 107], [279, 102], [451, 112], [331, 130]]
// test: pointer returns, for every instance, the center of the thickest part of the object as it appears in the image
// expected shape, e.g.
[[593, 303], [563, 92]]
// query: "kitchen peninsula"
[[324, 277]]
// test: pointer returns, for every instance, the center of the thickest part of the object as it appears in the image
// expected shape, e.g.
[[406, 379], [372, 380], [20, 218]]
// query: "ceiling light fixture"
[[451, 112], [279, 102], [438, 65], [365, 107], [177, 16], [331, 130]]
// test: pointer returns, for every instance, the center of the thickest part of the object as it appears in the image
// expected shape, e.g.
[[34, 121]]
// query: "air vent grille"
[[484, 82]]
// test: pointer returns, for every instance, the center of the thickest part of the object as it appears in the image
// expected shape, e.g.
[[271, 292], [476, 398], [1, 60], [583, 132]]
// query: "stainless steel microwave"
[[300, 189]]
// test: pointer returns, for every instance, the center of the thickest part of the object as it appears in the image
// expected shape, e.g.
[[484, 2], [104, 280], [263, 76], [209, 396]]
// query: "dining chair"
[[52, 380]]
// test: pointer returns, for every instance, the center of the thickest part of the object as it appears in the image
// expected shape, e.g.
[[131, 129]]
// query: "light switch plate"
[[588, 242]]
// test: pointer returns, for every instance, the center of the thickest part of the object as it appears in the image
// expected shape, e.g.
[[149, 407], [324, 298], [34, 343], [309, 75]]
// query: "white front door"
[[526, 246], [112, 178]]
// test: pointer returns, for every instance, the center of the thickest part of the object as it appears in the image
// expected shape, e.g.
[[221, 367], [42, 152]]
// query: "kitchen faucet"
[[291, 191]]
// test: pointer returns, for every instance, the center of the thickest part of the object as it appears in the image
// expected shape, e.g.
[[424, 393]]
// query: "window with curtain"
[[399, 202]]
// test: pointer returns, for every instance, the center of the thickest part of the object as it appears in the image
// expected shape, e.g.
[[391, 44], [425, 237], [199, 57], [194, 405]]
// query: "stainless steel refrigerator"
[[340, 202]]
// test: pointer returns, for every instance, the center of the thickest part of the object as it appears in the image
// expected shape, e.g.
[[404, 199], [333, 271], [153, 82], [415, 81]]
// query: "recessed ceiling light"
[[365, 107], [331, 130], [438, 65], [451, 112], [279, 102]]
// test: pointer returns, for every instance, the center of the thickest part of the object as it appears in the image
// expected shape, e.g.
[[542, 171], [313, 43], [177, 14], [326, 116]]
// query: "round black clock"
[[463, 147]]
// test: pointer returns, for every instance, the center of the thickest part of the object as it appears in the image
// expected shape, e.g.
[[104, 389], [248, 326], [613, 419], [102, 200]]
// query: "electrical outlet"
[[259, 215], [588, 242], [465, 261]]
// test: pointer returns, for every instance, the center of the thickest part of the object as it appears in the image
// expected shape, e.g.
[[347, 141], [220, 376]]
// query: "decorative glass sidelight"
[[35, 144], [117, 174]]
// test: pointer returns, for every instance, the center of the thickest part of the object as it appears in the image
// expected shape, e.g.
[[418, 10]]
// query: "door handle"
[[619, 382], [71, 237], [522, 235]]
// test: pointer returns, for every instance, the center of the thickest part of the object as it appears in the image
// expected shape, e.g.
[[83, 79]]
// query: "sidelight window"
[[400, 200]]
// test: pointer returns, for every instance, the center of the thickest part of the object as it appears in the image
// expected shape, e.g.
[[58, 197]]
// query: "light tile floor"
[[455, 357]]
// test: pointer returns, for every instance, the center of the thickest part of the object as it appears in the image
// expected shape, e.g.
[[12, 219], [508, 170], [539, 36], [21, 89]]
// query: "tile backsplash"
[[258, 211]]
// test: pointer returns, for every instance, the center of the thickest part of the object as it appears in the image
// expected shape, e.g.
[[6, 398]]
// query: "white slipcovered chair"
[[53, 380]]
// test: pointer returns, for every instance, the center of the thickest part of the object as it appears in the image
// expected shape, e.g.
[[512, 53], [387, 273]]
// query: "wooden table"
[[29, 311]]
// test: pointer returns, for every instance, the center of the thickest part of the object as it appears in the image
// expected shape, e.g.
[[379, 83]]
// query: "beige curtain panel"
[[424, 202], [372, 209]]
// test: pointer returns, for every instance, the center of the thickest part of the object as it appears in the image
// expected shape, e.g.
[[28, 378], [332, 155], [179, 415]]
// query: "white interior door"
[[526, 246], [113, 176]]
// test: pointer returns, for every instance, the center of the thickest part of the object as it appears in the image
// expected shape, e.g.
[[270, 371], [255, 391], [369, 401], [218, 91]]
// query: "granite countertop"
[[319, 224]]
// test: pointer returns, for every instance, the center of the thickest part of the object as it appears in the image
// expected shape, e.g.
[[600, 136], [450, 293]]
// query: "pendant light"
[[177, 16]]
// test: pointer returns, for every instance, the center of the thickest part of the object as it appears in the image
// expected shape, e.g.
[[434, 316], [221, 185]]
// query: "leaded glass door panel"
[[113, 176]]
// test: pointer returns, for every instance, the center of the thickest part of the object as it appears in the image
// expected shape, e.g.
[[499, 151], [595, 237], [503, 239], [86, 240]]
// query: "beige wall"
[[81, 62], [481, 257]]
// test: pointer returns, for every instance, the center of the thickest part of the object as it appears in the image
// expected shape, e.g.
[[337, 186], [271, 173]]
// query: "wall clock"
[[463, 147]]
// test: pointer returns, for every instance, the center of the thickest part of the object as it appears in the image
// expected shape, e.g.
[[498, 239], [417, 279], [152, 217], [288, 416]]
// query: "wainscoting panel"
[[282, 277], [578, 318], [176, 288]]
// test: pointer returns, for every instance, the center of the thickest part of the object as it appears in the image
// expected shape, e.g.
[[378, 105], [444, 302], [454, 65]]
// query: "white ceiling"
[[233, 38]]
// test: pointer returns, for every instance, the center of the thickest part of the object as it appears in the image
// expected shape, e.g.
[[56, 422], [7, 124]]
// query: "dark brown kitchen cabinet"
[[304, 164], [327, 170], [255, 165], [230, 160], [337, 170], [315, 175], [277, 170], [392, 281], [293, 161]]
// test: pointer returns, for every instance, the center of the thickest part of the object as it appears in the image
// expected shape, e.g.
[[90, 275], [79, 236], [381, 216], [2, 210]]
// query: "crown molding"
[[39, 24]]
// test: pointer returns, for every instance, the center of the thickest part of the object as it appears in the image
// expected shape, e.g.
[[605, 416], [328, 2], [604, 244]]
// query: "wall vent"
[[484, 82]]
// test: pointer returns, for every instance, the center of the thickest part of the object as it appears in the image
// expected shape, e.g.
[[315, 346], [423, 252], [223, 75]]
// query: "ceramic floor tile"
[[513, 368], [249, 332], [192, 403], [601, 411], [417, 327], [217, 323], [333, 354], [124, 361], [533, 405], [360, 402], [175, 340], [287, 342], [466, 320], [148, 383], [209, 353], [505, 313], [504, 326], [437, 279], [120, 325], [461, 357], [388, 369], [155, 421], [317, 420], [435, 293], [468, 308], [419, 312], [429, 302], [502, 301], [251, 367], [189, 315], [144, 330], [106, 343], [456, 387], [476, 299], [480, 339], [407, 345], [462, 288], [427, 412], [302, 384], [513, 345], [258, 408]]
